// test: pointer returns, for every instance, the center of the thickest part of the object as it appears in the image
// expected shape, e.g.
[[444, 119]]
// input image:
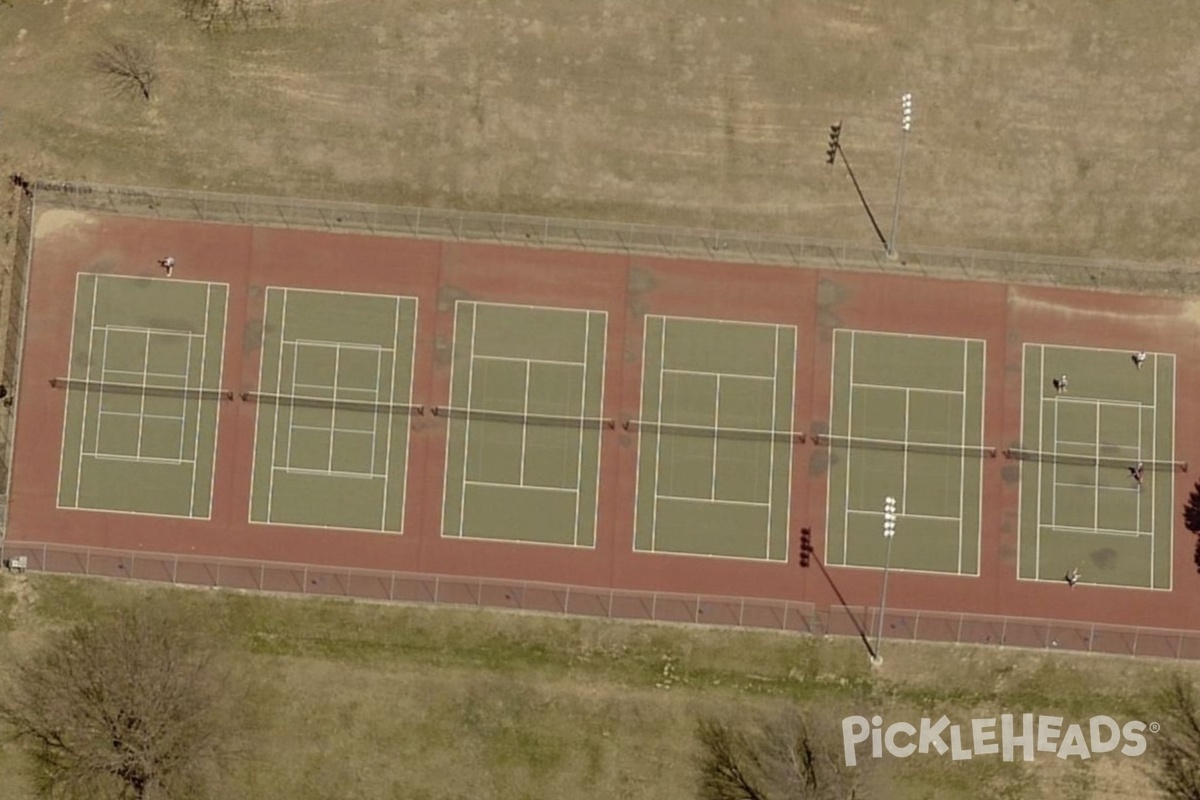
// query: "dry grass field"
[[377, 701], [1062, 128]]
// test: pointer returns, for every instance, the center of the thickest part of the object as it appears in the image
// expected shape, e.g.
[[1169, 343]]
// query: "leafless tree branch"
[[129, 68], [135, 707]]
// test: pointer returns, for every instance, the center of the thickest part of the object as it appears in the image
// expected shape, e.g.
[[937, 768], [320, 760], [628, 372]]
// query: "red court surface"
[[627, 288]]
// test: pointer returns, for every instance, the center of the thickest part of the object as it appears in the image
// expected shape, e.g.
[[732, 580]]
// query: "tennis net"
[[141, 389], [931, 448], [346, 404], [713, 431], [1095, 461], [522, 418]]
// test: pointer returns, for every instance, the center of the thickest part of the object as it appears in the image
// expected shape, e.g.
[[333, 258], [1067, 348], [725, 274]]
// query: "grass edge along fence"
[[583, 601]]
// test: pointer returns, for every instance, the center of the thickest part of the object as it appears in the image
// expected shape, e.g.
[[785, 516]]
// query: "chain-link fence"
[[717, 245], [13, 298], [561, 599], [382, 585]]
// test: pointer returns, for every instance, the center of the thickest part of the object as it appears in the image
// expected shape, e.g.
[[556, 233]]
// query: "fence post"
[[567, 602], [1004, 632], [304, 582], [392, 588], [1136, 633], [1091, 637], [742, 613], [435, 588], [697, 614], [175, 569], [1179, 650], [262, 576], [916, 625]]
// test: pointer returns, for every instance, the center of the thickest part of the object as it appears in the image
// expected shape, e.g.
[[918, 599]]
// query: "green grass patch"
[[373, 700]]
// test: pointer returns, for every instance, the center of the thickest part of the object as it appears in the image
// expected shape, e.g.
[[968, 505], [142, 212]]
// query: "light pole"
[[889, 532], [906, 107]]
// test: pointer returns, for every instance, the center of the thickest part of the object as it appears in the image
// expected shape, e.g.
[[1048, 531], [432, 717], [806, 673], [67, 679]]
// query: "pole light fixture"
[[906, 118], [889, 533]]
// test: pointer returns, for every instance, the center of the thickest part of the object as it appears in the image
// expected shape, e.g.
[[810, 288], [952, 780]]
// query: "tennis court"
[[524, 424], [715, 438], [1082, 506], [142, 395], [334, 399], [906, 421]]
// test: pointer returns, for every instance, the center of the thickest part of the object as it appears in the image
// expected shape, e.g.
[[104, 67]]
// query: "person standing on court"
[[1139, 358], [167, 263]]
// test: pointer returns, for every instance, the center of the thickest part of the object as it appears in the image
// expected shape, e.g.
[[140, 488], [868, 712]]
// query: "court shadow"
[[854, 619]]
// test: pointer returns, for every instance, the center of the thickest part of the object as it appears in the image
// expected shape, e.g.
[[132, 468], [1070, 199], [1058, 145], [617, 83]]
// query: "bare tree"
[[794, 756], [128, 68], [1175, 751], [133, 706]]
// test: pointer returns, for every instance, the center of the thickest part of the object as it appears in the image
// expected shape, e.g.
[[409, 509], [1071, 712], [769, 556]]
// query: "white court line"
[[1153, 482], [87, 389], [849, 452], [587, 341], [1149, 477], [332, 345], [662, 356], [138, 374], [771, 445], [138, 459], [935, 517], [278, 407], [1037, 533], [637, 472], [1094, 486], [462, 510], [1096, 473], [208, 291], [710, 373], [888, 387], [1098, 531], [519, 486], [1054, 470], [599, 411], [677, 498], [337, 369], [450, 399], [100, 400], [410, 378], [904, 455], [332, 473], [376, 417], [184, 408], [1086, 400], [524, 428], [554, 361], [712, 491], [105, 413], [156, 331], [962, 463]]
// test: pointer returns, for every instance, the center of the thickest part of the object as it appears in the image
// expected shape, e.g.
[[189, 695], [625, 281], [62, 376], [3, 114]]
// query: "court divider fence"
[[628, 238], [647, 606]]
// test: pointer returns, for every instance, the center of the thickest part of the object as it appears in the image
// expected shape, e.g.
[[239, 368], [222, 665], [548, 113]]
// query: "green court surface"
[[526, 398], [715, 438], [142, 395], [334, 397], [906, 421], [1081, 506]]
